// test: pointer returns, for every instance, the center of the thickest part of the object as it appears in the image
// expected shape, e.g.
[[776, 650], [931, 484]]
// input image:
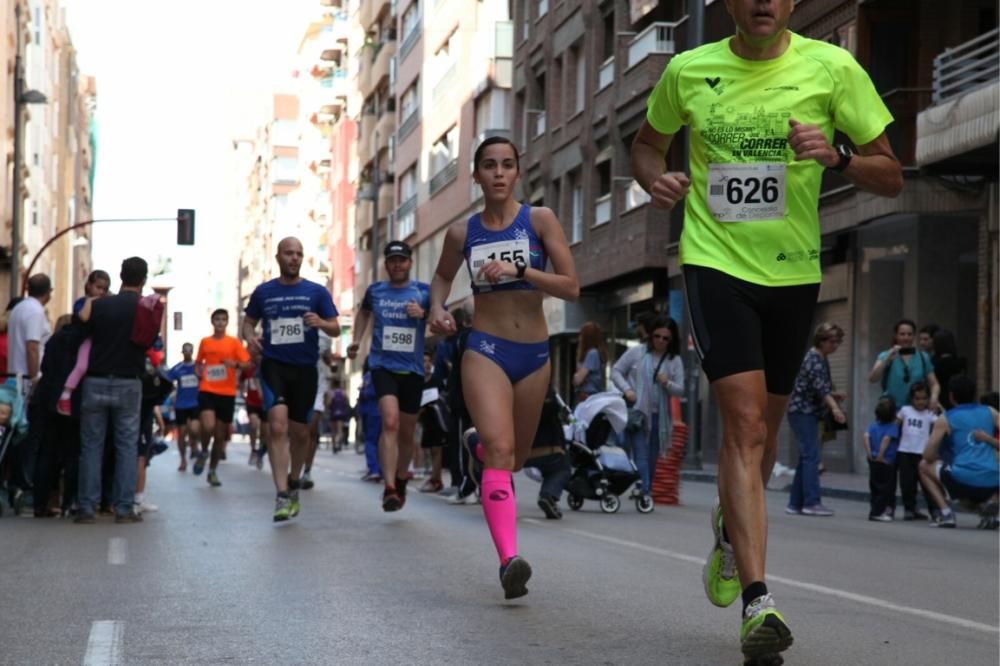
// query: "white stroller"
[[602, 471]]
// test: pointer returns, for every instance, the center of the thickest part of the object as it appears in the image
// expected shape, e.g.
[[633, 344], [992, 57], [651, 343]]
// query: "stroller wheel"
[[644, 504], [575, 502], [610, 503]]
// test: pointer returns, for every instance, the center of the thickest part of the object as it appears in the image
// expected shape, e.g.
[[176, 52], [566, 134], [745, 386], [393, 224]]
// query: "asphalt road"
[[209, 579]]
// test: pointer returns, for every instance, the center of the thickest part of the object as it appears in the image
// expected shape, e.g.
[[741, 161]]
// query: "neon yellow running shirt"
[[752, 210]]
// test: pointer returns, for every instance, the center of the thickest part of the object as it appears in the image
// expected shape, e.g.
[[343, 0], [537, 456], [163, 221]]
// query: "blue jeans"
[[805, 487], [104, 401], [555, 473], [645, 447]]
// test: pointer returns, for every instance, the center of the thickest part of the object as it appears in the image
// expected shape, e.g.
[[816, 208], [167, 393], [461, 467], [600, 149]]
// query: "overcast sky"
[[176, 82]]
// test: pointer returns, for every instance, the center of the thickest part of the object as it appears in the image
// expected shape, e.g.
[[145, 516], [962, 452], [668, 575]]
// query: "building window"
[[580, 64], [525, 18], [576, 209], [406, 214], [543, 8], [409, 101], [602, 205], [411, 19], [444, 151]]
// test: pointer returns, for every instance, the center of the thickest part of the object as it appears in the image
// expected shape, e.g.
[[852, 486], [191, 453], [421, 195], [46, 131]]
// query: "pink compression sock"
[[501, 511]]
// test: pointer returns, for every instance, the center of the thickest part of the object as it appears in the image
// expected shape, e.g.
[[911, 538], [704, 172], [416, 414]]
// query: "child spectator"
[[881, 441], [915, 421]]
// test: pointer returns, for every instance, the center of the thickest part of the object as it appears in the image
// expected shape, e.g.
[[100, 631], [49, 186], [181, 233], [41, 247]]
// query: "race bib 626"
[[746, 192]]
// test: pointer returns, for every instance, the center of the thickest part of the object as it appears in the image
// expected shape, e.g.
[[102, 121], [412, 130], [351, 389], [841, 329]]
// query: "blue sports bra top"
[[518, 240]]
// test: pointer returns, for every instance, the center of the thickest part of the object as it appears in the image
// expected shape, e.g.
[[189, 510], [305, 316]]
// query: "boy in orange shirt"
[[219, 357]]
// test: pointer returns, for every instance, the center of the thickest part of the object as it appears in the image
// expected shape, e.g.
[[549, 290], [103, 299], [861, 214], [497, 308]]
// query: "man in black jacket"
[[112, 392]]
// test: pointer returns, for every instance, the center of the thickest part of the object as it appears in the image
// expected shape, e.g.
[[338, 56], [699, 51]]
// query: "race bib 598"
[[399, 339]]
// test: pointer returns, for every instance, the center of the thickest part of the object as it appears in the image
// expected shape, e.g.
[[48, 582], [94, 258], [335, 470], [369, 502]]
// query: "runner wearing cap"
[[399, 307], [762, 107]]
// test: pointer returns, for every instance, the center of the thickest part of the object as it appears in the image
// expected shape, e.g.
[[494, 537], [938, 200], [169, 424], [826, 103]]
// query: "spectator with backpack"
[[903, 365]]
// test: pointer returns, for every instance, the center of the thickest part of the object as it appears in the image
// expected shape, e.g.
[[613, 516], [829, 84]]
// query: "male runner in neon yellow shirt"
[[762, 107]]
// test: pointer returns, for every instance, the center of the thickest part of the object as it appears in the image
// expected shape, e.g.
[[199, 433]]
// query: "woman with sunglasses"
[[648, 381], [902, 365]]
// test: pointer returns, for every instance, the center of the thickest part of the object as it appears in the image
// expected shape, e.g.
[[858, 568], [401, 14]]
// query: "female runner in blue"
[[506, 375]]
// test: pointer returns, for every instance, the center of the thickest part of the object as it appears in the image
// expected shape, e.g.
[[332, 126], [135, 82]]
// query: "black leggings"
[[908, 465]]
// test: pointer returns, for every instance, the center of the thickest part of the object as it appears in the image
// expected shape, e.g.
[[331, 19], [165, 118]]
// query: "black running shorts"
[[222, 405], [406, 386], [291, 385], [740, 326]]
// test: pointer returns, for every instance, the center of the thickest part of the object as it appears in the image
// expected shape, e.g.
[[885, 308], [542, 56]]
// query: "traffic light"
[[185, 226]]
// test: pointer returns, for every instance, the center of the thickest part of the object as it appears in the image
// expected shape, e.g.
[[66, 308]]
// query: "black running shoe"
[[514, 577]]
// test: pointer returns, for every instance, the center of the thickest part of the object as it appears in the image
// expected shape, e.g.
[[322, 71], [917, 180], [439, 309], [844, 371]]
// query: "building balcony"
[[386, 199], [371, 11], [365, 66], [384, 128], [635, 239], [641, 62], [409, 124], [959, 130], [363, 215], [443, 177], [380, 67], [366, 139]]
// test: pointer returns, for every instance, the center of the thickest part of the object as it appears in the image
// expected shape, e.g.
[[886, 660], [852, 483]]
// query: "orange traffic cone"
[[666, 477]]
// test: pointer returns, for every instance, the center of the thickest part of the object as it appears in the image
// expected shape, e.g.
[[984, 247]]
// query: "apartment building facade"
[[434, 77], [583, 71], [58, 144]]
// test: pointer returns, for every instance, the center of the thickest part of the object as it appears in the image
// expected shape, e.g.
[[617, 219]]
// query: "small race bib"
[[399, 339], [505, 250], [216, 373], [746, 192], [189, 381], [287, 331]]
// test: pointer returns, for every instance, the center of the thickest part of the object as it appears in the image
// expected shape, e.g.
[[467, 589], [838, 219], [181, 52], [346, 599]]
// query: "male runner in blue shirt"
[[398, 306], [292, 310]]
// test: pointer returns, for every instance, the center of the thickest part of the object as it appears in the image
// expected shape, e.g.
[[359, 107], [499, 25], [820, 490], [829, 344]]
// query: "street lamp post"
[[22, 98]]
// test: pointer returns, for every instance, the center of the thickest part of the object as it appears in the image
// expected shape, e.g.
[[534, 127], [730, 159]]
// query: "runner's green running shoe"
[[764, 633], [294, 507], [719, 575], [282, 508]]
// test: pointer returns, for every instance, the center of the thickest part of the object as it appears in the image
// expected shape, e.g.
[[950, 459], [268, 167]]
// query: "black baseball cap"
[[397, 249]]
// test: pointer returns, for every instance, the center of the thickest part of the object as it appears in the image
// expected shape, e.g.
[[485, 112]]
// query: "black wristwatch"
[[845, 154], [521, 267]]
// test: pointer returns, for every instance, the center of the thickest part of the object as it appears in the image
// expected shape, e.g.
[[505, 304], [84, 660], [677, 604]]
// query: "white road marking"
[[117, 550], [104, 647], [820, 589]]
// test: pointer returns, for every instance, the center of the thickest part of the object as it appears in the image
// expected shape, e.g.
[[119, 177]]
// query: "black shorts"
[[291, 385], [222, 405], [406, 386], [182, 416], [959, 491], [259, 411], [740, 326]]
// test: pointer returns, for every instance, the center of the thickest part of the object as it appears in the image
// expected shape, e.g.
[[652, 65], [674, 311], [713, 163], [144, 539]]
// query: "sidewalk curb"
[[837, 493]]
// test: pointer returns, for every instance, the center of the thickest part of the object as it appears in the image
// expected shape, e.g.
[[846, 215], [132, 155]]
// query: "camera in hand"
[[907, 350]]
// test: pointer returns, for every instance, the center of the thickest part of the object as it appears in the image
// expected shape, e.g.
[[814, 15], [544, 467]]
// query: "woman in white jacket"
[[648, 380]]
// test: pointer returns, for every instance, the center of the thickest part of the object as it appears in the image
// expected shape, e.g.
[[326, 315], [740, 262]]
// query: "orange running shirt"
[[215, 377]]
